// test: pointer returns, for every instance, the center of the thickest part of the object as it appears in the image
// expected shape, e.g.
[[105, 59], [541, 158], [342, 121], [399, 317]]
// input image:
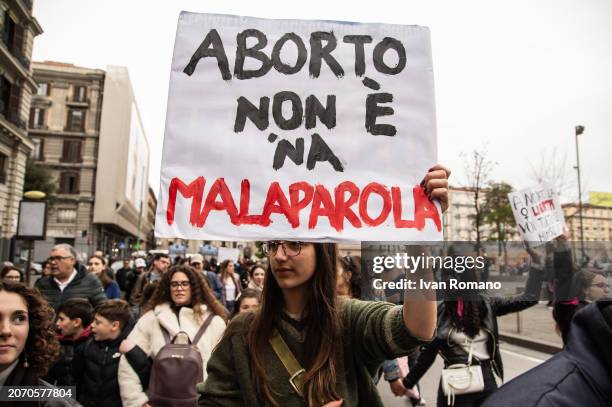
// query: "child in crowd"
[[73, 320], [96, 362]]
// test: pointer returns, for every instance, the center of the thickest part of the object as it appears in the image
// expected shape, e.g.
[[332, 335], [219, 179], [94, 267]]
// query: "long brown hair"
[[223, 273], [323, 330], [201, 294], [42, 347]]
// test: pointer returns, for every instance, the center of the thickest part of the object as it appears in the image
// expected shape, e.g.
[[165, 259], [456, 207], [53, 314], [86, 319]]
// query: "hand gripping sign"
[[293, 129]]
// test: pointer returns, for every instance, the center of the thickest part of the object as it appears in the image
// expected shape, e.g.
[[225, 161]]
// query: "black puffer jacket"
[[580, 375], [84, 285], [95, 367], [60, 373], [453, 353]]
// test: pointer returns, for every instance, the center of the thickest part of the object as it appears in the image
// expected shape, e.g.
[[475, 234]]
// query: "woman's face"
[[14, 327], [180, 289], [292, 272], [230, 267], [95, 265], [599, 288], [258, 276], [46, 270], [13, 276], [248, 304], [343, 287]]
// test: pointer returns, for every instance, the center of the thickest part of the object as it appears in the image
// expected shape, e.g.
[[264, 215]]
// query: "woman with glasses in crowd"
[[305, 345], [181, 303], [591, 285]]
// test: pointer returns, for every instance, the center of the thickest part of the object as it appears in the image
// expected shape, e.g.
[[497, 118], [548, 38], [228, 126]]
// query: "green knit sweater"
[[373, 331]]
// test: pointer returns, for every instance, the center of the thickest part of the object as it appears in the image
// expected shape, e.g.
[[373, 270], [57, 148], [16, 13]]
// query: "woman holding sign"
[[306, 346], [467, 338]]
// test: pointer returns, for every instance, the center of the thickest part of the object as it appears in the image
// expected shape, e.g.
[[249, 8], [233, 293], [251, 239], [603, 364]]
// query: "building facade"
[[596, 221], [458, 219], [17, 31], [82, 123]]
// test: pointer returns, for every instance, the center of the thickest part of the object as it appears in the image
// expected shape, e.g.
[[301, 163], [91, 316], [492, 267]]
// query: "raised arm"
[[420, 313]]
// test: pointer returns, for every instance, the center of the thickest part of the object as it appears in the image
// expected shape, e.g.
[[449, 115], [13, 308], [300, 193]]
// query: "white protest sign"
[[538, 214], [228, 253], [291, 129]]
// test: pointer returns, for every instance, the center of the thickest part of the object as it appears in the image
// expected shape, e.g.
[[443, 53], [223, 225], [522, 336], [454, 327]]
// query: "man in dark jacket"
[[580, 375], [96, 363], [68, 280]]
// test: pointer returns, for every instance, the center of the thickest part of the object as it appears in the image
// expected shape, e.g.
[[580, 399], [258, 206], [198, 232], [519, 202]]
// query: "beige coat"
[[148, 335]]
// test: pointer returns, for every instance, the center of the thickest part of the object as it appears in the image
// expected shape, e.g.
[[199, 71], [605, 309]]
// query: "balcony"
[[76, 102]]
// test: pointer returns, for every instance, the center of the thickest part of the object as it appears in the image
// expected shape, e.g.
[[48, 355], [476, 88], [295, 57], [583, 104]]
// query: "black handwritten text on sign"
[[322, 45]]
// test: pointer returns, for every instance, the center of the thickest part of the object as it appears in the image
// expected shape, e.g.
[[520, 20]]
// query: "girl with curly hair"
[[28, 345], [181, 303]]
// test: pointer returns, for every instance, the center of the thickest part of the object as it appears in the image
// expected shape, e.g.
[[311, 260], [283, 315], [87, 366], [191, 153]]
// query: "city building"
[[87, 133], [457, 220], [596, 221], [17, 31]]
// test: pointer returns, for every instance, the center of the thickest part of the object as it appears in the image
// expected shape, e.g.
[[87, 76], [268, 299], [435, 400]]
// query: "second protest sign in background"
[[298, 129]]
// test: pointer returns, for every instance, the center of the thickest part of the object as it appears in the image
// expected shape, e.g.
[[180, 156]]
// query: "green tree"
[[37, 178], [497, 213]]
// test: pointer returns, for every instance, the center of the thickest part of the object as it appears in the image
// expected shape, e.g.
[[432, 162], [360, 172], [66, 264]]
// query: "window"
[[69, 183], [5, 94], [38, 150], [79, 94], [43, 89], [37, 118], [71, 153], [3, 165], [66, 215], [76, 120]]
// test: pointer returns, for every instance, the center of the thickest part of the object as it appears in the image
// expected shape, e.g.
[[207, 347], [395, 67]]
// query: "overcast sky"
[[514, 76]]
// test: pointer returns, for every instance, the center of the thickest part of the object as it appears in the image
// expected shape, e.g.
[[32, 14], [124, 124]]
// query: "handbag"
[[462, 379]]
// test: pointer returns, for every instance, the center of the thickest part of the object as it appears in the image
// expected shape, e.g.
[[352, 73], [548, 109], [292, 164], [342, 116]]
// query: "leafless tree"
[[477, 171], [554, 170]]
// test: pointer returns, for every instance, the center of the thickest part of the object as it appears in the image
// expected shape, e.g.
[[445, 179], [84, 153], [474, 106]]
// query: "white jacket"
[[148, 335]]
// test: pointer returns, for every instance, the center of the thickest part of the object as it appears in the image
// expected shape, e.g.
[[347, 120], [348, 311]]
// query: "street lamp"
[[579, 131]]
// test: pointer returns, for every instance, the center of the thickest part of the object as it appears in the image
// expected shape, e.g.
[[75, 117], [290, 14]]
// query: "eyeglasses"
[[59, 258], [177, 284], [603, 286], [291, 249]]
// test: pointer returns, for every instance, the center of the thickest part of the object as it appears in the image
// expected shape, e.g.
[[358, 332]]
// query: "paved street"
[[517, 360]]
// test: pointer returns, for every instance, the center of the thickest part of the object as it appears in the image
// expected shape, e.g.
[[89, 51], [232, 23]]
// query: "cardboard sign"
[[538, 214], [289, 129]]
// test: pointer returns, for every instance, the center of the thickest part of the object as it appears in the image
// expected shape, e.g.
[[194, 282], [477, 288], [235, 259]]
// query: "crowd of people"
[[304, 327]]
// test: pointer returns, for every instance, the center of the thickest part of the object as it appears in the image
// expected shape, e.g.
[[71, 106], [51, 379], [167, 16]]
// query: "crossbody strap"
[[295, 370], [469, 362]]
